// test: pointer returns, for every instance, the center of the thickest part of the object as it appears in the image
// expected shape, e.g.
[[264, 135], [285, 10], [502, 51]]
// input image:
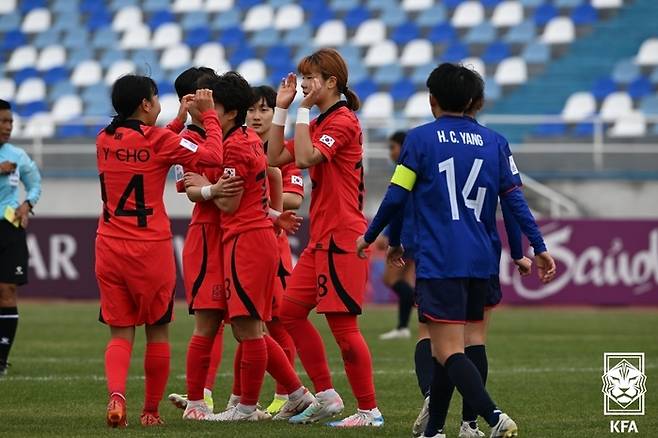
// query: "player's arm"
[[178, 124], [275, 181], [31, 179], [225, 187], [292, 201], [229, 204], [512, 229], [293, 187], [277, 154]]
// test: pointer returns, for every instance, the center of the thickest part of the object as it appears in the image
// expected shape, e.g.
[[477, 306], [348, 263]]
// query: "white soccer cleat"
[[423, 417], [197, 410], [294, 407], [466, 431], [505, 428], [178, 400], [327, 404], [232, 402], [362, 418], [402, 333], [235, 414]]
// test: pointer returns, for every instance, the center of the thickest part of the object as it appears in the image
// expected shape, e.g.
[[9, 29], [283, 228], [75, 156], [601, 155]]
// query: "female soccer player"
[[259, 118], [328, 275], [134, 255]]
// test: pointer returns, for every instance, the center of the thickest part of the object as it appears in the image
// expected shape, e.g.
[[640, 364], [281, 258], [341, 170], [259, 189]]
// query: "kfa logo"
[[624, 388]]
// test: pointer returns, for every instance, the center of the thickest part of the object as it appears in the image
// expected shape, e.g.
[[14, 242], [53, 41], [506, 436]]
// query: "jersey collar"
[[134, 124], [333, 108], [199, 130]]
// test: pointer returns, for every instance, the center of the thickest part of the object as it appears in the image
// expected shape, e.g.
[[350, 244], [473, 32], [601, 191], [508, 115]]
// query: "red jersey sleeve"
[[236, 162], [175, 126], [331, 137], [293, 182]]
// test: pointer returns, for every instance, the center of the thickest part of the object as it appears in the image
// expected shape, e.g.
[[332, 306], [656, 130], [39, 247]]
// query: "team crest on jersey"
[[512, 166], [229, 171], [190, 146], [297, 180], [327, 140]]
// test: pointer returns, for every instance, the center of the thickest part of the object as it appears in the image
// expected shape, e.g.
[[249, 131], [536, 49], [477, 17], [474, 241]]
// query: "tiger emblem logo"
[[624, 384]]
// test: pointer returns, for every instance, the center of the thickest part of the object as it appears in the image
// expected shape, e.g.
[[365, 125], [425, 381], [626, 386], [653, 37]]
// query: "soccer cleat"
[[235, 414], [505, 428], [233, 401], [327, 404], [421, 421], [466, 431], [277, 403], [207, 397], [178, 400], [116, 411], [362, 418], [293, 407], [438, 435], [150, 419], [401, 333], [197, 410]]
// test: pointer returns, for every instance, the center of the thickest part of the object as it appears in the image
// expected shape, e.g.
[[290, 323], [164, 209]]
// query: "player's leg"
[[157, 358], [398, 279], [424, 367], [216, 353], [8, 322], [280, 335], [117, 364]]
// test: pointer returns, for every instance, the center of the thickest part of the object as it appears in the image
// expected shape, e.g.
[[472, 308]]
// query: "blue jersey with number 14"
[[455, 169]]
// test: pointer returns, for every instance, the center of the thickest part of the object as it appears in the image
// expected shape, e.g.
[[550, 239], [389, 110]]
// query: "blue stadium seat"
[[640, 88], [378, 5], [105, 37], [351, 54], [265, 37], [405, 33], [625, 71], [402, 90], [111, 56], [198, 36], [420, 73], [99, 18], [96, 93], [24, 74], [166, 87], [432, 16], [71, 131], [442, 33], [279, 3], [545, 13], [147, 57], [298, 36], [355, 17], [78, 55], [343, 5], [192, 20], [67, 20], [320, 16], [240, 54], [455, 52], [603, 87], [490, 4], [91, 6], [365, 88], [278, 56], [75, 38], [64, 6], [452, 4], [160, 17], [10, 21], [649, 105], [99, 109], [483, 33], [584, 129], [313, 5], [567, 3], [393, 16], [13, 39], [492, 90], [28, 5], [227, 20], [29, 109], [55, 75], [61, 88], [156, 5], [388, 74], [536, 53], [274, 78], [358, 72], [531, 3], [584, 15], [522, 33], [247, 4], [654, 76], [46, 38], [232, 37], [117, 5], [550, 130]]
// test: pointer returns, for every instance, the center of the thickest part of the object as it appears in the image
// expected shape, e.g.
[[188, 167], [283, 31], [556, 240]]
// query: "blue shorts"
[[494, 294], [451, 300]]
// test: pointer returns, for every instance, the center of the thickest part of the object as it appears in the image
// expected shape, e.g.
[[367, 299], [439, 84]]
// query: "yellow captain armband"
[[404, 177]]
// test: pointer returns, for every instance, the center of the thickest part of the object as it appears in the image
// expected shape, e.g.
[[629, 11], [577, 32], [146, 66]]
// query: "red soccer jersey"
[[338, 186], [204, 212], [133, 165], [244, 156], [293, 182]]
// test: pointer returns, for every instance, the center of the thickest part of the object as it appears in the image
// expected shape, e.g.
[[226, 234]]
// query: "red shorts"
[[136, 281], [285, 252], [251, 260], [334, 280], [283, 273], [203, 268]]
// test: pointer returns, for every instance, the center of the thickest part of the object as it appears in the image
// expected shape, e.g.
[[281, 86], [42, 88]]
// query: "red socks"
[[252, 370], [156, 370], [117, 363], [198, 359], [280, 335], [309, 344], [237, 374], [215, 357], [356, 358], [279, 367]]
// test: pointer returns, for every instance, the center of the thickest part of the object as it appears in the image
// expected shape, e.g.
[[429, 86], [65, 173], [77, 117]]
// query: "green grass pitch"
[[545, 371]]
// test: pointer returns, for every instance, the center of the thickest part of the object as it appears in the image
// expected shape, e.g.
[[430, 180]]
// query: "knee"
[[475, 334], [7, 295], [292, 312], [245, 329]]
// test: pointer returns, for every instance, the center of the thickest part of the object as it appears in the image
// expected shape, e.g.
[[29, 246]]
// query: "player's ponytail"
[[330, 63], [128, 92]]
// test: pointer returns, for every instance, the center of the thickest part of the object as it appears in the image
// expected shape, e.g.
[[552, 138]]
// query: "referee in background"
[[15, 167]]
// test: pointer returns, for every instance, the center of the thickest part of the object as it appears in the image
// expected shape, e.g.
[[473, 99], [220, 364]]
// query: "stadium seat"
[[156, 5], [648, 105], [639, 88], [67, 108], [168, 34], [76, 38], [468, 14], [99, 19], [378, 5], [257, 18], [511, 71], [158, 18], [289, 17], [32, 108], [421, 73], [631, 125], [44, 39], [187, 5], [24, 74], [584, 15], [70, 130], [227, 20], [442, 33], [197, 36], [104, 37], [483, 33], [253, 70], [22, 57], [616, 105], [455, 52], [7, 89], [402, 90], [603, 87], [96, 93], [343, 5], [77, 56], [175, 56], [508, 13], [418, 106], [382, 53], [331, 33], [475, 64], [12, 40], [67, 20], [567, 4], [31, 90], [560, 30], [648, 53], [50, 57], [495, 53], [137, 37], [7, 6], [246, 4], [127, 18], [37, 20], [417, 5], [110, 56], [358, 72], [578, 107], [552, 129], [492, 91], [238, 56], [583, 129], [625, 71], [10, 21], [369, 32], [607, 4], [298, 36], [452, 4], [265, 38], [392, 17], [531, 4], [39, 126], [320, 16], [536, 53], [219, 5], [388, 74], [210, 54], [417, 52], [431, 16], [405, 33], [378, 106], [355, 17], [118, 69], [365, 88], [117, 5], [194, 19], [544, 14]]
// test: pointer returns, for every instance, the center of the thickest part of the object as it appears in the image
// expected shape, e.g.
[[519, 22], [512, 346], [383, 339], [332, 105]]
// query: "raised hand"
[[203, 100], [287, 91], [184, 107], [227, 186], [192, 179], [313, 94]]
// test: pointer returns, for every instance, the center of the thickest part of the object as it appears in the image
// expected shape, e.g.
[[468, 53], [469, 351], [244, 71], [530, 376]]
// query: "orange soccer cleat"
[[151, 419], [116, 411]]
